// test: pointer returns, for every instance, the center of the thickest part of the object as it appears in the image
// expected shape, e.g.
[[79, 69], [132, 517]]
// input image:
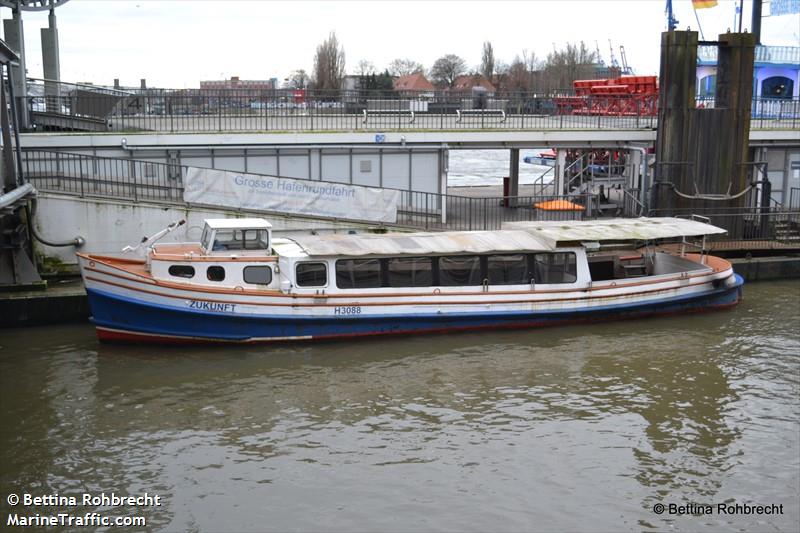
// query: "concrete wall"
[[110, 225]]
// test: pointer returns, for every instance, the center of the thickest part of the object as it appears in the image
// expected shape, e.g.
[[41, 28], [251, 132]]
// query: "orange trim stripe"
[[716, 264], [387, 304], [278, 294], [212, 259]]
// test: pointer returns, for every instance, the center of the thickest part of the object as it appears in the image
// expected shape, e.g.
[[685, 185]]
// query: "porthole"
[[181, 271], [215, 273]]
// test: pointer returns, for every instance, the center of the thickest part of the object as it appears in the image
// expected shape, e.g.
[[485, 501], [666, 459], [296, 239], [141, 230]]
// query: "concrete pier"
[[767, 268], [62, 301]]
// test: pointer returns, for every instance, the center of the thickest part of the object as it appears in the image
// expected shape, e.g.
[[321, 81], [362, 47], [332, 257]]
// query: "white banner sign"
[[284, 195]]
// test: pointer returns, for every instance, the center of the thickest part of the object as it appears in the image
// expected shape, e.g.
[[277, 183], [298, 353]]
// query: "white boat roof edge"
[[415, 244], [615, 229], [237, 223]]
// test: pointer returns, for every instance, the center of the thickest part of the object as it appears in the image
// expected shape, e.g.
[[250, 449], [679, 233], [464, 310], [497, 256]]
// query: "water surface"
[[571, 428]]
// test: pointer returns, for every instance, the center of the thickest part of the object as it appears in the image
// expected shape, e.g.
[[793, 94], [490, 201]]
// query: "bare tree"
[[574, 62], [404, 67], [518, 77], [365, 68], [487, 61], [447, 68], [533, 67], [329, 64], [298, 79]]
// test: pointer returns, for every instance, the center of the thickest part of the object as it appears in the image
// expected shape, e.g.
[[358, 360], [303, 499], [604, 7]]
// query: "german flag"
[[703, 4]]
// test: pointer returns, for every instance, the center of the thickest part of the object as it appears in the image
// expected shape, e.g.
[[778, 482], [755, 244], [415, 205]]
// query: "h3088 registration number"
[[347, 310]]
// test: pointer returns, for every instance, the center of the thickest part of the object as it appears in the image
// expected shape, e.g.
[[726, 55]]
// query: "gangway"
[[76, 106]]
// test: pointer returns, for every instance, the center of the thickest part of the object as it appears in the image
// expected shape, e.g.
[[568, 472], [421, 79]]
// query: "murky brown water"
[[576, 428]]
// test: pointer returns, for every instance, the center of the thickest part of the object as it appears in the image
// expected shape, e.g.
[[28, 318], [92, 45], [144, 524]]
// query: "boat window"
[[258, 275], [215, 273], [241, 239], [508, 269], [311, 274], [410, 271], [358, 273], [460, 270], [555, 268], [181, 271]]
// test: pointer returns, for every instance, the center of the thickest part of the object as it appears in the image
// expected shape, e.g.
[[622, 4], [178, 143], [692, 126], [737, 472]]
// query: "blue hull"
[[123, 319]]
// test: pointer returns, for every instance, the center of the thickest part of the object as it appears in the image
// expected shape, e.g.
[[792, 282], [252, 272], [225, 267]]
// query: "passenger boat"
[[238, 284]]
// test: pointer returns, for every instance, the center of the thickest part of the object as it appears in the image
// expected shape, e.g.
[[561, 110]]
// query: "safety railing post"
[[135, 185]]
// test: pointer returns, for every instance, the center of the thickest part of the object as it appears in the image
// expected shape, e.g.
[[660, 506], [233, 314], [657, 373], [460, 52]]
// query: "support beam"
[[513, 175], [51, 65], [8, 174], [559, 183], [14, 37], [634, 169]]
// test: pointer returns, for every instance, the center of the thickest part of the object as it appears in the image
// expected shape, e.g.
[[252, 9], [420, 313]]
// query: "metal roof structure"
[[615, 229], [414, 244]]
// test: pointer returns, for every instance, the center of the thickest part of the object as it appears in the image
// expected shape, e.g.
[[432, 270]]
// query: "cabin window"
[[409, 271], [507, 269], [555, 268], [181, 271], [215, 273], [205, 240], [258, 275], [311, 274], [459, 271], [241, 239], [358, 273]]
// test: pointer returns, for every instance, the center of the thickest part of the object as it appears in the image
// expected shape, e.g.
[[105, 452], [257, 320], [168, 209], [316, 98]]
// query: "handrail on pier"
[[366, 113], [461, 112]]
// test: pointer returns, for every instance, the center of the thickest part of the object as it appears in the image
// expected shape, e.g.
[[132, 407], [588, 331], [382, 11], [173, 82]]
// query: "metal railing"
[[123, 179], [765, 111], [763, 54], [104, 177], [230, 110], [769, 228], [133, 180]]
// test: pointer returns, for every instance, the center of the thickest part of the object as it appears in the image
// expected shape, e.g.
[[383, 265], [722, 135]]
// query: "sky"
[[178, 43]]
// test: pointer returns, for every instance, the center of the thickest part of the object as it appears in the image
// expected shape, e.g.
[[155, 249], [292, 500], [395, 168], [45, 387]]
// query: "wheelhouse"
[[248, 235], [231, 253]]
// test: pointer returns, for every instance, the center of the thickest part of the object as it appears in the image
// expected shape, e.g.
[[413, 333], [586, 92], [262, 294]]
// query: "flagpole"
[[741, 14], [697, 18]]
